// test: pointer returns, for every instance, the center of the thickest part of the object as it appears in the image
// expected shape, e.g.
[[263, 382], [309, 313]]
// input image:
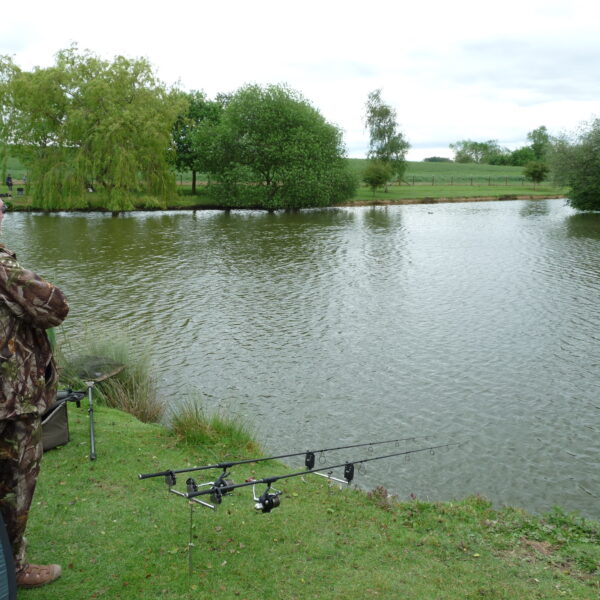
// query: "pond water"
[[472, 322]]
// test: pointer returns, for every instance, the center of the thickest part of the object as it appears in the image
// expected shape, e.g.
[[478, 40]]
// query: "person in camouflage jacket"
[[28, 306]]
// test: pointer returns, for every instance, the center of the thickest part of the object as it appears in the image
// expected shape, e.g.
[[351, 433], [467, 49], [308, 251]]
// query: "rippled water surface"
[[476, 322]]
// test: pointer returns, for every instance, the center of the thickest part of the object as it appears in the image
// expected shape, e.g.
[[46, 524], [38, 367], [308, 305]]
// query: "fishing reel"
[[221, 487], [268, 500]]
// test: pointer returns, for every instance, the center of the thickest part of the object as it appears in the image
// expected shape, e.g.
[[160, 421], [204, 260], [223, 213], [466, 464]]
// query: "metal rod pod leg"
[[90, 385]]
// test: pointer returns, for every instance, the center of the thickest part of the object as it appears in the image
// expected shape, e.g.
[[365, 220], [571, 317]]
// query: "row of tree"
[[86, 123], [532, 157], [491, 153]]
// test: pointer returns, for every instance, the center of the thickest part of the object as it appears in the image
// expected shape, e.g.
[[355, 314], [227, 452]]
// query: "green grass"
[[193, 425], [426, 172], [13, 167], [399, 193], [121, 538]]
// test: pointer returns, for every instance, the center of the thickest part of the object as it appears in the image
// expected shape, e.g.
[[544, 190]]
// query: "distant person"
[[9, 183], [28, 306]]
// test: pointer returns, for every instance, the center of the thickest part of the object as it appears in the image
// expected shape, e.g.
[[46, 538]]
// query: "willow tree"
[[88, 123]]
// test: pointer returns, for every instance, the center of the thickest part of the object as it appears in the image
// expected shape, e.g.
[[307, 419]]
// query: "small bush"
[[536, 171], [377, 174]]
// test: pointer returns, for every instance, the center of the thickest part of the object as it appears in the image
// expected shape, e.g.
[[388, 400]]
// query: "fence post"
[[413, 180], [471, 181], [433, 180], [489, 181], [451, 180]]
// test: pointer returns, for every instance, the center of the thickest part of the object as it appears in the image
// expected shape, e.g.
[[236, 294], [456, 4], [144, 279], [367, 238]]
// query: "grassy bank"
[[118, 537], [448, 193]]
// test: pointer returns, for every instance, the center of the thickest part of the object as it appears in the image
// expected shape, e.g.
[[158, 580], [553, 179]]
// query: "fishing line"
[[309, 458], [220, 490]]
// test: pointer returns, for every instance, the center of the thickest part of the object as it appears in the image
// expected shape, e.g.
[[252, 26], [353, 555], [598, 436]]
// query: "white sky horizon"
[[452, 70]]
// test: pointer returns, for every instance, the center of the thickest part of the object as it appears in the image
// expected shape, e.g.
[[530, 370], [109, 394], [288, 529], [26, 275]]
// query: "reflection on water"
[[475, 322], [534, 208], [585, 225]]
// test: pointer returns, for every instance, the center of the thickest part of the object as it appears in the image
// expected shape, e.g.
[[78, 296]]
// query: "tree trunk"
[[193, 183]]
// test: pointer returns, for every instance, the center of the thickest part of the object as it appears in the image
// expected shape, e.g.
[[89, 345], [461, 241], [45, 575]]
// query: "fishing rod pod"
[[271, 498]]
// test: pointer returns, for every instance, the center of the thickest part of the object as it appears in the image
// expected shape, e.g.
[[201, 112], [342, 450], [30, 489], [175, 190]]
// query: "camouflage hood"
[[28, 306]]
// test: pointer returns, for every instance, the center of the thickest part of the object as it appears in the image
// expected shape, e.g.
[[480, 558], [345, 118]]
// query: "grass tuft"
[[193, 425], [133, 390]]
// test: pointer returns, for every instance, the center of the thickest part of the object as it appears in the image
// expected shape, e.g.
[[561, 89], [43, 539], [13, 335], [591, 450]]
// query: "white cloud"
[[452, 70]]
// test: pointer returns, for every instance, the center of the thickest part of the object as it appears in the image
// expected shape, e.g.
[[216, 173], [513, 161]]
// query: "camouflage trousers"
[[20, 456]]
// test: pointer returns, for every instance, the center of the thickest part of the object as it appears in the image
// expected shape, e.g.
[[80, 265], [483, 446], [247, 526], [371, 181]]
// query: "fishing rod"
[[309, 461], [270, 499]]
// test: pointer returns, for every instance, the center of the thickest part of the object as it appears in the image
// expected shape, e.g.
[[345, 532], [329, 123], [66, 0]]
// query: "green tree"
[[200, 111], [90, 121], [536, 171], [575, 162], [521, 156], [387, 145], [377, 174], [490, 152], [540, 142], [497, 155], [272, 149]]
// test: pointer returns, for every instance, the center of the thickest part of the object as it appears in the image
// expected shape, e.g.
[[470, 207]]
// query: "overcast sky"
[[452, 69]]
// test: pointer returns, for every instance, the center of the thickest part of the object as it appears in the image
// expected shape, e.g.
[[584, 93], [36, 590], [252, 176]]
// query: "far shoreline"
[[446, 200], [347, 204]]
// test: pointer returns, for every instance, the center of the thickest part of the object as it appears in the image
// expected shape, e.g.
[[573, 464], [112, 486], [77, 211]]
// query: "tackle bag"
[[55, 421]]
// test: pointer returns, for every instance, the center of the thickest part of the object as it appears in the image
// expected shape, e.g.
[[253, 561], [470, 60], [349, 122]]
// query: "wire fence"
[[464, 181]]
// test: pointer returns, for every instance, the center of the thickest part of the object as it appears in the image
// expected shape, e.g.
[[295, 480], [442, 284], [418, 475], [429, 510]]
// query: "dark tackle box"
[[55, 421]]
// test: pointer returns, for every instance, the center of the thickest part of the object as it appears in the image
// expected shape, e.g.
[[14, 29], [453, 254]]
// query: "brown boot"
[[32, 576]]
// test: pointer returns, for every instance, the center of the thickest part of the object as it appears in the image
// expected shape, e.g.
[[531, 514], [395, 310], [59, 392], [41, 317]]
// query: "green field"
[[419, 172], [444, 173], [433, 173], [15, 168]]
